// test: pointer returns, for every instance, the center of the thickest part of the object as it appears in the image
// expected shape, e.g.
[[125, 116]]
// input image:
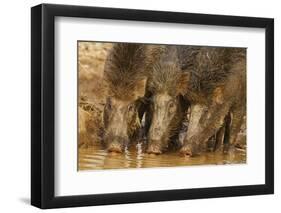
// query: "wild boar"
[[167, 108], [125, 74], [217, 94]]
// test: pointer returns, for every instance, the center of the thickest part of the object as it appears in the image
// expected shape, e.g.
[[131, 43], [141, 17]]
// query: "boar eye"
[[131, 108], [171, 104], [171, 107]]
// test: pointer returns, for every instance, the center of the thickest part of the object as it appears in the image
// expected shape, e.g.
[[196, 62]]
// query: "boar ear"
[[140, 88], [183, 83]]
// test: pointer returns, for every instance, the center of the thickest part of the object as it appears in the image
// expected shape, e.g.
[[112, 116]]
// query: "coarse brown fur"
[[166, 74], [209, 68], [125, 65]]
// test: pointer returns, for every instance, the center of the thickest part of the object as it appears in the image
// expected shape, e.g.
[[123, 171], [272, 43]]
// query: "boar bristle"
[[211, 66], [165, 72], [124, 67]]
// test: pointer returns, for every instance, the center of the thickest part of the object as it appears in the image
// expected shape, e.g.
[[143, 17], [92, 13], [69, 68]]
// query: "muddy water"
[[96, 157]]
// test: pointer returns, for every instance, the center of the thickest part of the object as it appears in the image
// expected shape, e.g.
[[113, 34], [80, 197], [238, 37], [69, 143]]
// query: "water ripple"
[[97, 158]]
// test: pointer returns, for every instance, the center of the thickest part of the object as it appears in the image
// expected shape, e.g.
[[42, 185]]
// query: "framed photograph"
[[140, 106]]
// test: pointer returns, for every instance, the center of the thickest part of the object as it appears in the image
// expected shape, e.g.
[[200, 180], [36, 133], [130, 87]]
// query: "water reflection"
[[96, 157]]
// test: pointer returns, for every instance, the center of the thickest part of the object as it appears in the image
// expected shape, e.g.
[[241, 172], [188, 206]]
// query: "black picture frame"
[[43, 111]]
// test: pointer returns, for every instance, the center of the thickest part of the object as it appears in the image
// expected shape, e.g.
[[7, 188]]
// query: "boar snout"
[[154, 147], [116, 143], [115, 147]]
